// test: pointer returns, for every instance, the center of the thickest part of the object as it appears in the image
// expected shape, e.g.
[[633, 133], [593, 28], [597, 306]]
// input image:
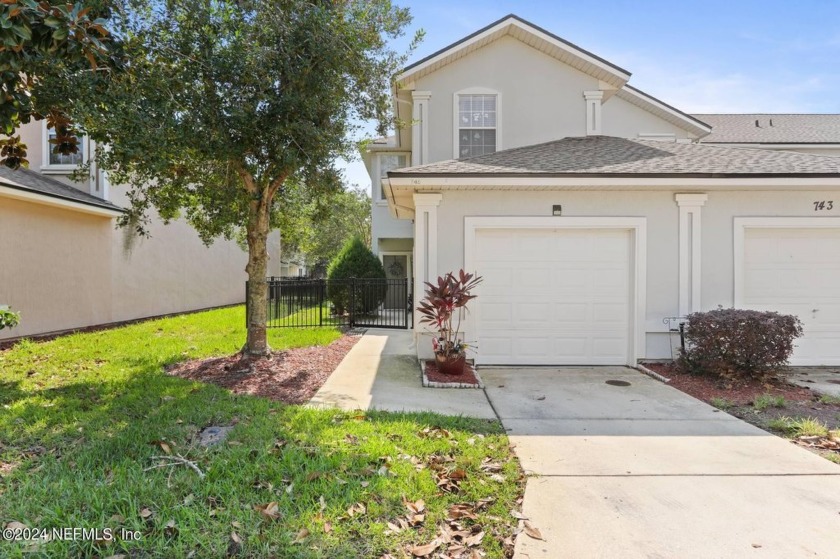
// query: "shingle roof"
[[24, 179], [610, 156], [772, 128]]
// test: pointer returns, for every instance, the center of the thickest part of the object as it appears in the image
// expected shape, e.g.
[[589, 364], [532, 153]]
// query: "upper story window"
[[390, 162], [57, 162], [477, 122]]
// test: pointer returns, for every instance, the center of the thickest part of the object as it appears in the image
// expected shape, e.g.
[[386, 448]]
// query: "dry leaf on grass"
[[269, 510], [425, 550], [358, 508], [164, 446], [301, 536]]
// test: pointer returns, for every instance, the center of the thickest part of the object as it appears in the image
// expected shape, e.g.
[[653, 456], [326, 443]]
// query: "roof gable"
[[531, 35]]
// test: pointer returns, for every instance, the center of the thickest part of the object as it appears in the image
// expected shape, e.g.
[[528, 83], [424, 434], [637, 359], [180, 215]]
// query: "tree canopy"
[[43, 46], [230, 108]]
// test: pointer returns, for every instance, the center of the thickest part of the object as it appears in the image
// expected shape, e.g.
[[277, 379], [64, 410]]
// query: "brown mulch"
[[799, 401], [467, 377], [743, 393], [292, 376]]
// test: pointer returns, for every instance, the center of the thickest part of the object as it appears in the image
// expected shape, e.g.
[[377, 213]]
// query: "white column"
[[690, 255], [593, 112], [420, 127], [425, 244]]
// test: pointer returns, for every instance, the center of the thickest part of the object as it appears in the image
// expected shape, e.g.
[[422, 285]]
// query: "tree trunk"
[[257, 293]]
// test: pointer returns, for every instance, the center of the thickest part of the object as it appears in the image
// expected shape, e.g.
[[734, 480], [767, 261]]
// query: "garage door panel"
[[571, 307], [796, 271]]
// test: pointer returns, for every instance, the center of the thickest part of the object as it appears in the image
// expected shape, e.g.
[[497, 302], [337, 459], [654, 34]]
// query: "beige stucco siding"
[[662, 215], [55, 267], [625, 120], [541, 98]]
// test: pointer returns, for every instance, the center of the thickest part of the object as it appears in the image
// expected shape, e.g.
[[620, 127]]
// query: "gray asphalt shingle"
[[772, 128], [24, 179], [606, 155]]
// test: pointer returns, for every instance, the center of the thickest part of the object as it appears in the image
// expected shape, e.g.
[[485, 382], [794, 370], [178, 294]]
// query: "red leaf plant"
[[443, 309]]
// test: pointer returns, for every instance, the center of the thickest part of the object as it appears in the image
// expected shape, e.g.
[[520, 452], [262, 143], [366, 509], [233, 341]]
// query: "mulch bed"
[[706, 388], [800, 402], [468, 379], [292, 376]]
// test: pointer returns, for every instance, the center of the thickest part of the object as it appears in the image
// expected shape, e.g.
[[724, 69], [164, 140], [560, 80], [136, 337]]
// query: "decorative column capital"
[[427, 199], [695, 200]]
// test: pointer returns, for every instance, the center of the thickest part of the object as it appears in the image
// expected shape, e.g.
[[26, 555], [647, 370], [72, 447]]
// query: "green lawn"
[[80, 416]]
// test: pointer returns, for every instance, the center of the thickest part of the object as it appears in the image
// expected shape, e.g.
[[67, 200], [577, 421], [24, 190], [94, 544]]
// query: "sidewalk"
[[381, 372]]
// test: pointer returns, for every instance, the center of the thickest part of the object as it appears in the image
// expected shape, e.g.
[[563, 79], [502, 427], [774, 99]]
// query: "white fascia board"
[[63, 203], [757, 145], [645, 101], [610, 183], [408, 77]]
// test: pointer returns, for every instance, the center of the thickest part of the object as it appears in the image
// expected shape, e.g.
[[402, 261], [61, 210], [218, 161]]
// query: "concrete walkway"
[[381, 372], [647, 471], [621, 472]]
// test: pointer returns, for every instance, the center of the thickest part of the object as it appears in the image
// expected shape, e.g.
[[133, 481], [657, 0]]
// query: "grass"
[[830, 400], [722, 403], [765, 401], [83, 416], [799, 427]]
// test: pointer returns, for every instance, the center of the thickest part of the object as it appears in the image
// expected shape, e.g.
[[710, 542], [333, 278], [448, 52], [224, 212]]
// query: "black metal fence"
[[355, 302]]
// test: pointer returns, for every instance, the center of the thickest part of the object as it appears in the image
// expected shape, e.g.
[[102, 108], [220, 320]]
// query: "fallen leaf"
[[117, 518], [15, 526], [145, 513], [533, 532], [164, 446], [235, 537], [519, 515], [270, 510], [302, 535], [327, 527], [424, 550], [236, 524], [474, 540]]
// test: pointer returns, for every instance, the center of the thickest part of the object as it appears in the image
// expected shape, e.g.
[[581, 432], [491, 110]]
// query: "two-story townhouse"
[[64, 263], [595, 211]]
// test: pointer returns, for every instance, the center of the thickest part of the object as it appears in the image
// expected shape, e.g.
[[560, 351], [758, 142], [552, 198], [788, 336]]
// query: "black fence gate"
[[355, 302]]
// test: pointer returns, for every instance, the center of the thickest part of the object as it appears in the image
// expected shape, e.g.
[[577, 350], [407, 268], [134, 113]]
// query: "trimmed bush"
[[737, 344], [355, 261]]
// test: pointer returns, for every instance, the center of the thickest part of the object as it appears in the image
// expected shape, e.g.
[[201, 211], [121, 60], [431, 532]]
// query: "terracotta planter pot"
[[451, 364]]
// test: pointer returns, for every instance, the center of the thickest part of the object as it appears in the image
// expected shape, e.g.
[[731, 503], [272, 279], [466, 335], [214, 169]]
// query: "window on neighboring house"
[[390, 162], [477, 124], [58, 161]]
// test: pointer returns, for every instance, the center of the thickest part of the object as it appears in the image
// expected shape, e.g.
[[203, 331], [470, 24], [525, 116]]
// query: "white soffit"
[[529, 34]]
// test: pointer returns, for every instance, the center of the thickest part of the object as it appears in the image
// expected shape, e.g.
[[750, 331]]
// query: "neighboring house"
[[594, 211], [64, 264]]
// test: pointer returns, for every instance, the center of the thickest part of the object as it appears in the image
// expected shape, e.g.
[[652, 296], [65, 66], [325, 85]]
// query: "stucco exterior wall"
[[541, 98], [55, 267], [662, 214], [67, 269], [625, 120]]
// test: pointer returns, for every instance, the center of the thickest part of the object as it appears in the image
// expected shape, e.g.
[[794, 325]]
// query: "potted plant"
[[443, 309]]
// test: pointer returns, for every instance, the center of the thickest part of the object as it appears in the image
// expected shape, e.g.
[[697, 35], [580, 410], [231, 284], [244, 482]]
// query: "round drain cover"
[[618, 383]]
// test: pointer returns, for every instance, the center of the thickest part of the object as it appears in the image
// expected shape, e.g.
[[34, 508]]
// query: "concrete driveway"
[[644, 470]]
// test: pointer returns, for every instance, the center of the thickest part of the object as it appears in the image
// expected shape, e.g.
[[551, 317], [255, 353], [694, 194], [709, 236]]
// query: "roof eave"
[[17, 192], [609, 72]]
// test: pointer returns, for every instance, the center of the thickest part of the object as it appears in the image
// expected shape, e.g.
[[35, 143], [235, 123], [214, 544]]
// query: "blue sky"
[[699, 56]]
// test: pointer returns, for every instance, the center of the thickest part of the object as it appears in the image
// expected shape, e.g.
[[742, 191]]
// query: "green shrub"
[[8, 318], [722, 403], [356, 261], [738, 344]]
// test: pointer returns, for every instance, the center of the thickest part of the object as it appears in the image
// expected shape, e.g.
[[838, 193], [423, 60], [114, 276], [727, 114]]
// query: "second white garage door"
[[553, 296], [797, 271]]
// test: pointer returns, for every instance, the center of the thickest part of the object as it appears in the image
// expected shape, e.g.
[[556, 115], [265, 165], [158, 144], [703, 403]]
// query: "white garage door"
[[553, 296], [797, 271]]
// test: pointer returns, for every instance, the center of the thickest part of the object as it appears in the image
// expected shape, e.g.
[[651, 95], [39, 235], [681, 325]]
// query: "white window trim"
[[377, 182], [690, 252], [744, 223], [456, 154], [636, 225], [57, 169]]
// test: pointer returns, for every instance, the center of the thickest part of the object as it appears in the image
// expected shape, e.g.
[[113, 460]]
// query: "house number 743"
[[824, 205]]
